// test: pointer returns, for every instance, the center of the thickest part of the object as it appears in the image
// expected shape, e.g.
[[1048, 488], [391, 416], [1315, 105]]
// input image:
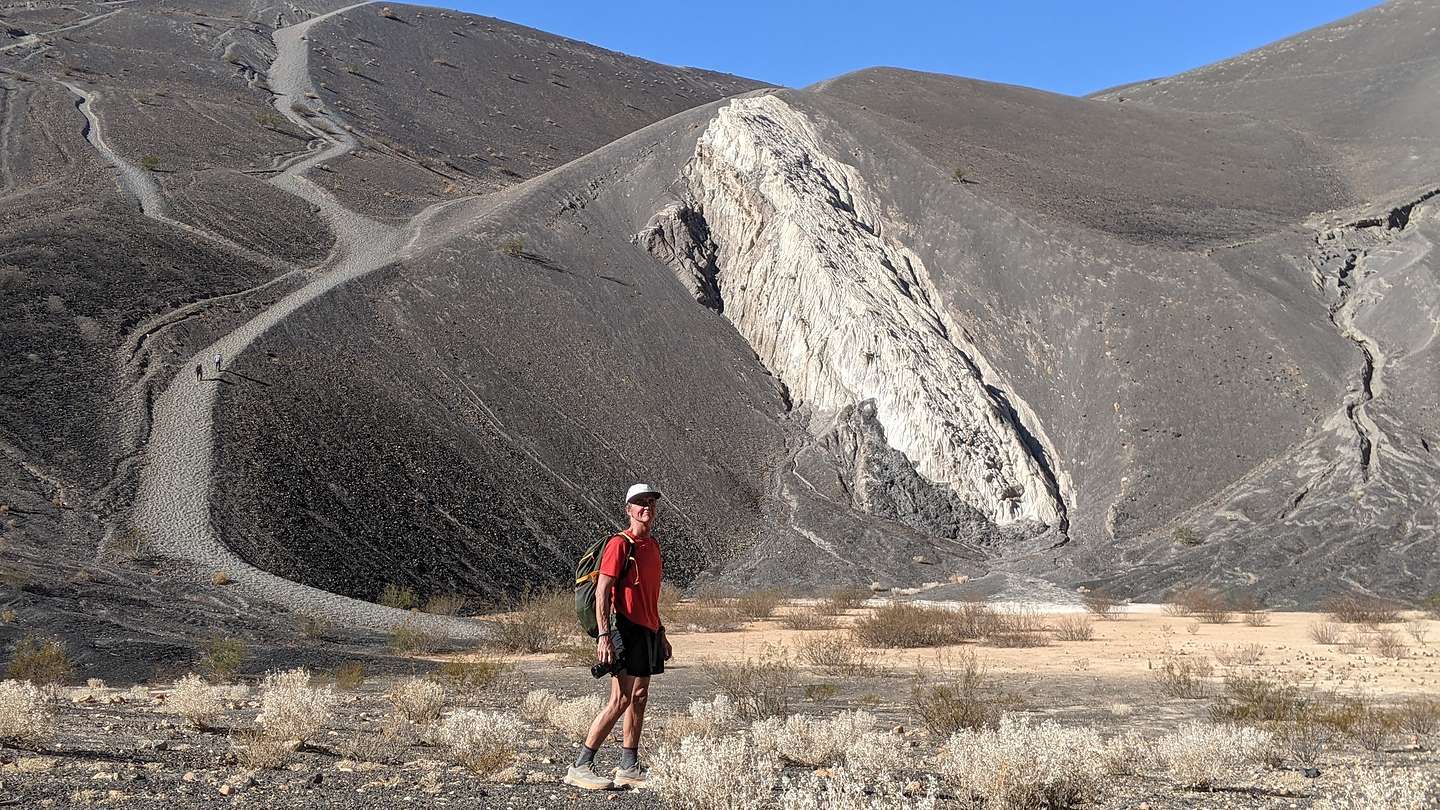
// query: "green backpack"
[[587, 575]]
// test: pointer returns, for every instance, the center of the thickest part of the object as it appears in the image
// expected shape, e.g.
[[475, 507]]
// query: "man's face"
[[642, 509]]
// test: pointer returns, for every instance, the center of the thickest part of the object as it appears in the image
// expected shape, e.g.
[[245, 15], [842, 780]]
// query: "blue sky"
[[1066, 47]]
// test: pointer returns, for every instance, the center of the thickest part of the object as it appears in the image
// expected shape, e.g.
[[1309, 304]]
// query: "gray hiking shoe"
[[585, 778], [631, 777]]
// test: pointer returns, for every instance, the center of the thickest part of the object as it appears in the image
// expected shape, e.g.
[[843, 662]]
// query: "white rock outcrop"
[[789, 243]]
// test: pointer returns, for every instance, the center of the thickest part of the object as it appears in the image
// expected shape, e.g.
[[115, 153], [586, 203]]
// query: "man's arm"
[[604, 594]]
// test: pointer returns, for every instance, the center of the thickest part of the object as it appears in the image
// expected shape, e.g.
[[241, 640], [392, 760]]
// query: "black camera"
[[617, 664]]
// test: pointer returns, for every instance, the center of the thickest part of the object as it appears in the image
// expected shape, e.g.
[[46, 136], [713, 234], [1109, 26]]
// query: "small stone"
[[898, 730], [876, 587], [316, 778], [188, 777], [226, 790], [921, 559], [106, 775]]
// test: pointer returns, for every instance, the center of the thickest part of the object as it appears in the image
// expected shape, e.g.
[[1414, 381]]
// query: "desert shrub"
[[1258, 617], [413, 638], [150, 162], [843, 599], [1240, 655], [484, 742], [314, 625], [1418, 630], [700, 773], [1127, 754], [445, 604], [1206, 604], [843, 789], [292, 709], [1369, 725], [541, 622], [385, 747], [1254, 700], [223, 658], [1325, 632], [194, 699], [1353, 608], [807, 617], [670, 595], [957, 694], [1101, 604], [220, 578], [1431, 605], [1074, 628], [350, 675], [848, 738], [759, 687], [760, 604], [704, 718], [1183, 677], [819, 692], [43, 662], [1186, 536], [834, 653], [1022, 627], [1389, 644], [1199, 755], [903, 625], [1020, 765], [573, 717], [513, 246], [401, 597], [417, 700], [471, 677], [536, 705], [26, 717], [1388, 788], [256, 750], [708, 616], [1419, 716]]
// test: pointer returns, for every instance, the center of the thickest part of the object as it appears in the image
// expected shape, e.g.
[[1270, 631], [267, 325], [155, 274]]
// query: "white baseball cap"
[[637, 490]]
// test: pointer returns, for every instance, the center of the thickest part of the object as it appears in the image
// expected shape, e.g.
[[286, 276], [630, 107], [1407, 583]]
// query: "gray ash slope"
[[896, 327]]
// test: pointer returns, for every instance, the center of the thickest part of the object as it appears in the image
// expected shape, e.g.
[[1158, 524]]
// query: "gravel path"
[[173, 503]]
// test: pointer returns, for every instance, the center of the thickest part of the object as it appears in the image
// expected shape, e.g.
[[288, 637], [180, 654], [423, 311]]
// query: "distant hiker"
[[631, 644], [217, 362], [199, 372]]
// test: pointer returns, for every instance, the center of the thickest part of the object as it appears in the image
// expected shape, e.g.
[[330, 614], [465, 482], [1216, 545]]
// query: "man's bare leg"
[[622, 690]]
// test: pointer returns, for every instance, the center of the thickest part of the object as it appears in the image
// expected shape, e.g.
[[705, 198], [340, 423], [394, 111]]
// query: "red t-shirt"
[[638, 596]]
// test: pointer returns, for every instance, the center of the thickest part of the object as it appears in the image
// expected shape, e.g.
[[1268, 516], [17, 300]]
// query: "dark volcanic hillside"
[[468, 280]]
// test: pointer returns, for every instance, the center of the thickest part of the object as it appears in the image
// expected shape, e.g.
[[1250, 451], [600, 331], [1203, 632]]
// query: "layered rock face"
[[792, 246]]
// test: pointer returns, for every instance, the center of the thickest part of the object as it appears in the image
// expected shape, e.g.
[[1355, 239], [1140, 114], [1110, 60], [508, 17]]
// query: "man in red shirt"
[[635, 640]]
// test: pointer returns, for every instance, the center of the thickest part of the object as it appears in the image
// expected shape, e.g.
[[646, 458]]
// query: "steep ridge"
[[839, 311]]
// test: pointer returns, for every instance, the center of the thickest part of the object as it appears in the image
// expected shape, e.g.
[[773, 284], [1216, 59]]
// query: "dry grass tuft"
[[759, 687], [350, 675], [957, 694], [255, 750], [400, 597], [470, 678], [26, 717], [760, 604], [445, 604], [834, 654]]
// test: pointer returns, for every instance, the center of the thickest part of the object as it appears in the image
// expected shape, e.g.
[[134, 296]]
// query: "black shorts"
[[644, 654]]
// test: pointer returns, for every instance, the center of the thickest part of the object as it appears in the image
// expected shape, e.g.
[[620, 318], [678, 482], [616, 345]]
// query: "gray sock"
[[587, 756], [629, 757]]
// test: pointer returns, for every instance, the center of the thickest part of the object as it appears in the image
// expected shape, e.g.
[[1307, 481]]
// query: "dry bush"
[[1353, 608], [194, 699], [1100, 604], [705, 718], [350, 675], [844, 789], [256, 750], [223, 658], [1023, 627], [1256, 618], [417, 700], [1387, 788], [26, 717], [413, 638], [220, 577], [541, 622], [1020, 765], [723, 773], [43, 662], [905, 625], [708, 616], [670, 596], [843, 599], [807, 617], [292, 709], [470, 678], [1419, 716], [1183, 677], [1199, 755], [536, 705], [445, 604], [386, 747], [1418, 630], [834, 654], [1206, 604], [1240, 655], [1389, 644], [400, 597], [573, 717], [848, 738], [1255, 700], [760, 687], [957, 694], [513, 247], [1325, 632], [1372, 727], [760, 604], [483, 742], [1074, 628], [1128, 754]]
